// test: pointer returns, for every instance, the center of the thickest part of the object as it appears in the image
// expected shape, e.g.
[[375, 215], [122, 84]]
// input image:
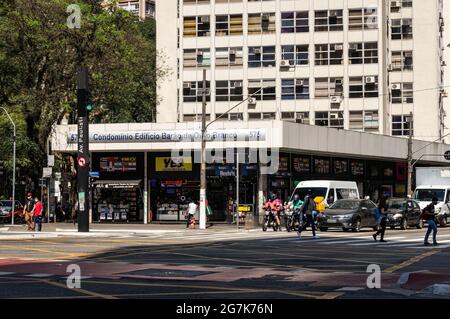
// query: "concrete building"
[[362, 64], [142, 8]]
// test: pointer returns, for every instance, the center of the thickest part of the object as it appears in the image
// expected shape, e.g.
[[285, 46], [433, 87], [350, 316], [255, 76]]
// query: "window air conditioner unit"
[[300, 82], [257, 51], [186, 85], [396, 86], [336, 99], [333, 116], [338, 82], [353, 46], [204, 19], [390, 67], [232, 52], [237, 84], [285, 63], [338, 47], [252, 101], [199, 52], [369, 80]]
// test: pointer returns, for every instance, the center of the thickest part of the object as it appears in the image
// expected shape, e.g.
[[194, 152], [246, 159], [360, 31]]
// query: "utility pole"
[[237, 189], [14, 167], [202, 221], [410, 153], [83, 159]]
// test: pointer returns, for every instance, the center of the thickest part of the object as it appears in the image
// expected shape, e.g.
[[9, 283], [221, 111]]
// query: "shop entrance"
[[117, 201]]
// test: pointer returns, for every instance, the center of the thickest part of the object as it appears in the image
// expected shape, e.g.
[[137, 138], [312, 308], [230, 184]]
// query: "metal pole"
[[410, 167], [237, 190], [202, 221]]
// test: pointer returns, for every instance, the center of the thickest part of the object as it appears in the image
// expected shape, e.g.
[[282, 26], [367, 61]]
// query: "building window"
[[229, 24], [402, 93], [266, 89], [195, 117], [397, 5], [330, 119], [362, 19], [196, 26], [292, 22], [254, 116], [299, 117], [261, 23], [329, 54], [401, 29], [191, 91], [196, 58], [363, 86], [296, 54], [402, 60], [229, 91], [230, 117], [328, 20], [364, 121], [229, 57], [326, 87], [261, 56], [400, 125], [359, 53], [196, 1], [294, 89]]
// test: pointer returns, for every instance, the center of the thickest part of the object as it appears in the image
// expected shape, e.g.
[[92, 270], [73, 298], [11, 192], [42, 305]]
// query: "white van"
[[423, 195], [329, 190]]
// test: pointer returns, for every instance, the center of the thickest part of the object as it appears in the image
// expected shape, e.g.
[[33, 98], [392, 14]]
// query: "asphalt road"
[[224, 263]]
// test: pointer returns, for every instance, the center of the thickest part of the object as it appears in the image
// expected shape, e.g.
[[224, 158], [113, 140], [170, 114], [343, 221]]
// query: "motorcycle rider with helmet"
[[295, 204], [275, 204]]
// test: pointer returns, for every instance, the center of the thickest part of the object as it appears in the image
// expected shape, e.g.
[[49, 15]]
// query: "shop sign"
[[173, 164], [173, 136], [301, 164], [175, 183], [245, 208], [118, 164]]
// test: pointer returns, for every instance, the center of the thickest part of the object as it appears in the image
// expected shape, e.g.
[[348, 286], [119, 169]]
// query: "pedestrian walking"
[[381, 218], [428, 214], [192, 210], [37, 215], [28, 211], [308, 209]]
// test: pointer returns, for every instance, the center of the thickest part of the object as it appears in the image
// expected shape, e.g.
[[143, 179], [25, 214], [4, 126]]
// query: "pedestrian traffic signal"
[[89, 103], [2, 168]]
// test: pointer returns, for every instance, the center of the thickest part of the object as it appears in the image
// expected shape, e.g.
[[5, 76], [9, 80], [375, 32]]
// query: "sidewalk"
[[50, 230]]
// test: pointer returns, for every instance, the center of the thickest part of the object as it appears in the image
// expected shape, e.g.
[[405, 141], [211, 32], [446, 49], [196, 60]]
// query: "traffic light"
[[2, 168], [89, 104]]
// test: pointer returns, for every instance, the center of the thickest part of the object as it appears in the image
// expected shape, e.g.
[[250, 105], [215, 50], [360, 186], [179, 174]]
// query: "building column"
[[262, 190], [145, 199]]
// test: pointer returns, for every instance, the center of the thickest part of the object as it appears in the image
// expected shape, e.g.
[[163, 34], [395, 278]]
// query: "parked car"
[[349, 214], [5, 211], [403, 212]]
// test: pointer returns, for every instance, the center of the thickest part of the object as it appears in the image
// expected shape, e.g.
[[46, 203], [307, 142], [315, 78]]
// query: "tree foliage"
[[39, 58]]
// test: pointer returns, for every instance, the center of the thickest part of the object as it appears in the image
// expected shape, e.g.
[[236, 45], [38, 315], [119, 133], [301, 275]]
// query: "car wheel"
[[420, 224], [324, 229], [357, 228], [264, 226], [443, 222], [404, 224]]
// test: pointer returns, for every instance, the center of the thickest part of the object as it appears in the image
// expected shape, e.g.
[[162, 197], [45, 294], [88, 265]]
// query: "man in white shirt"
[[192, 210]]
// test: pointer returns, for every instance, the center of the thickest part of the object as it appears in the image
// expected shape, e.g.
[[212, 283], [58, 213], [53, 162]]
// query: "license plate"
[[332, 221]]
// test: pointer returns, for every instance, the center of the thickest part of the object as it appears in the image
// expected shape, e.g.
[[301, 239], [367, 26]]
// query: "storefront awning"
[[117, 184]]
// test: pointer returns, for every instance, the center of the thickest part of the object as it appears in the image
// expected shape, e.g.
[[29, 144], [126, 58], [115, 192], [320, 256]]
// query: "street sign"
[[94, 174], [82, 161], [447, 155], [47, 172], [51, 160]]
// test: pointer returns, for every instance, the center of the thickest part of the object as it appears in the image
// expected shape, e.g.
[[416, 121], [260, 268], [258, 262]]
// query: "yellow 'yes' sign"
[[173, 164]]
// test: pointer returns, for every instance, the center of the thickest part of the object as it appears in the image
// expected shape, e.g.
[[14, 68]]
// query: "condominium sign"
[[173, 136]]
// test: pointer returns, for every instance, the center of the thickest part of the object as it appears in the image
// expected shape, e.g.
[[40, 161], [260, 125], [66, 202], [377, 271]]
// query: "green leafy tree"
[[39, 57]]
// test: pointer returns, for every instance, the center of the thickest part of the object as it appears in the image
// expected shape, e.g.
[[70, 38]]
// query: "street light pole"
[[202, 221], [14, 168]]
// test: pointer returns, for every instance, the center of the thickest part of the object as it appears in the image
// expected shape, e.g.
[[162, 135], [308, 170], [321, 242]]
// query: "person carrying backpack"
[[428, 214], [381, 218], [308, 208]]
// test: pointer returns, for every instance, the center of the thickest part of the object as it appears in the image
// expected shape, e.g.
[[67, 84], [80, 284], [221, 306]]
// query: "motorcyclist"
[[295, 204], [275, 204]]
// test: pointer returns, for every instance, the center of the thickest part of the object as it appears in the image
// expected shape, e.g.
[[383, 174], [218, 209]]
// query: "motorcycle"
[[270, 221], [292, 220]]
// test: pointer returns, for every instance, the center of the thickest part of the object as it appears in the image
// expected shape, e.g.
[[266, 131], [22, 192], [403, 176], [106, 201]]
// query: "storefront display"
[[321, 165], [301, 164]]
